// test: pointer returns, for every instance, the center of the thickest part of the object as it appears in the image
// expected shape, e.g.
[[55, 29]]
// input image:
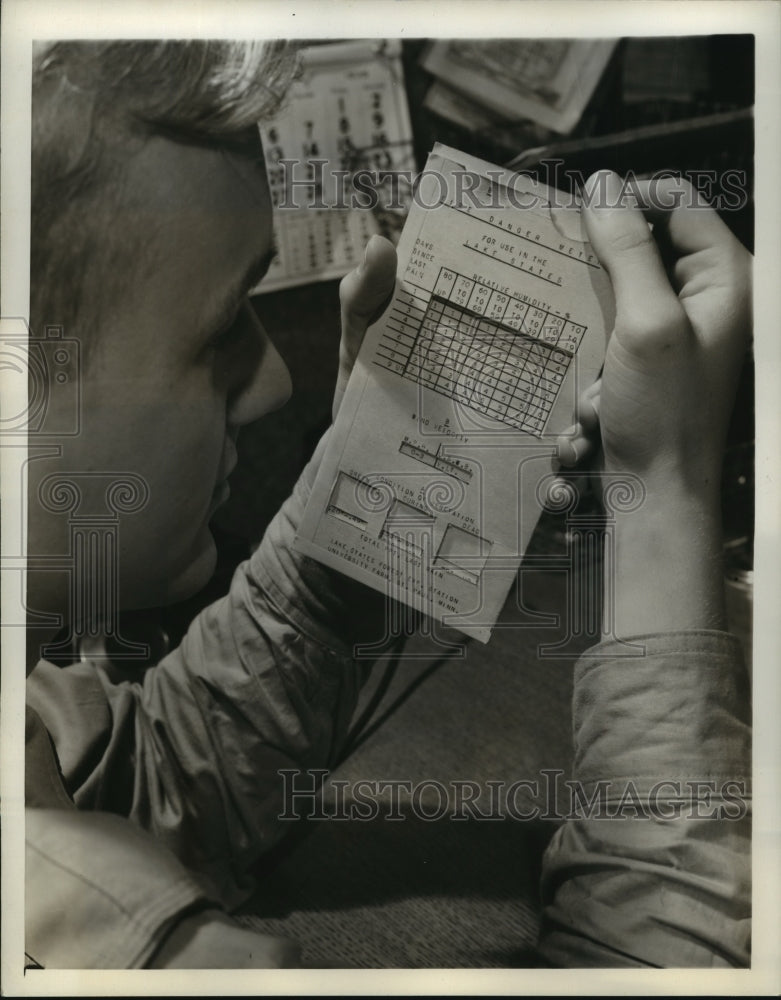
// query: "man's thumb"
[[365, 291]]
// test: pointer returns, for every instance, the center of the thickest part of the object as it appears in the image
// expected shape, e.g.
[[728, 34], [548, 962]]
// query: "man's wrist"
[[665, 572]]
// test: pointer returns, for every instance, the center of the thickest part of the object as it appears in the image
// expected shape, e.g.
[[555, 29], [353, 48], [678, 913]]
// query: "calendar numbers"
[[347, 113]]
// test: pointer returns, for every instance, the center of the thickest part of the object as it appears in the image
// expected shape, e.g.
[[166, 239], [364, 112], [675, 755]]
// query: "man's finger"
[[690, 222], [618, 231], [587, 408], [574, 446], [364, 292]]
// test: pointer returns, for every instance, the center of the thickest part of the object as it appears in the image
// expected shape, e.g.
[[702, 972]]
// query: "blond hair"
[[91, 101]]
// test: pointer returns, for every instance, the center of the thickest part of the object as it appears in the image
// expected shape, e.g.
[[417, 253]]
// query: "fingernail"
[[593, 186], [578, 448], [570, 451], [568, 455], [603, 190], [366, 251]]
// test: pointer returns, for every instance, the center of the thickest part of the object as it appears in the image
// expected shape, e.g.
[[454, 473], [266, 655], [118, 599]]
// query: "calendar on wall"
[[346, 113]]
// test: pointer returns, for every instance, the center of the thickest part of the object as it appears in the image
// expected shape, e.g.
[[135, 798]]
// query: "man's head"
[[151, 220], [94, 105]]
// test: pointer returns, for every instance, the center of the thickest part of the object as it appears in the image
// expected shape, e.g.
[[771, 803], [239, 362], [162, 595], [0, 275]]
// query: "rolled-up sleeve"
[[653, 865]]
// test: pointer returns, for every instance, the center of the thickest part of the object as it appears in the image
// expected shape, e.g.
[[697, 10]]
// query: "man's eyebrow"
[[228, 305]]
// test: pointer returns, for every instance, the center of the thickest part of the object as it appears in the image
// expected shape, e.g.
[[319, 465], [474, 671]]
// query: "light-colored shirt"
[[660, 873], [177, 792]]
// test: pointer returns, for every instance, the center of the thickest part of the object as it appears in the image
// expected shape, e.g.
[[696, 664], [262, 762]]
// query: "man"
[[151, 223]]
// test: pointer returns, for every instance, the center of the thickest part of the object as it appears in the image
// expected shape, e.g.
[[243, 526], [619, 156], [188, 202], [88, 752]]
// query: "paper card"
[[432, 481]]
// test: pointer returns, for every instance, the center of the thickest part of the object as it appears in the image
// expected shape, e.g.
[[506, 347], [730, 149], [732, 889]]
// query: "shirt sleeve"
[[100, 893], [653, 865], [265, 679]]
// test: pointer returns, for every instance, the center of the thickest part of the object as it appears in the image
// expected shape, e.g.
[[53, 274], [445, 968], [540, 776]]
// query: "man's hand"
[[663, 404], [662, 407], [364, 293]]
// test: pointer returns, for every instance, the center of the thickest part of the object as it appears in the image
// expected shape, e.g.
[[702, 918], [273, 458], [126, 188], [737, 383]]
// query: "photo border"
[[25, 20]]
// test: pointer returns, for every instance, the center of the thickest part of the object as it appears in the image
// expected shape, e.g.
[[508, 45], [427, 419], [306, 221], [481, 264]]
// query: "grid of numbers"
[[482, 347]]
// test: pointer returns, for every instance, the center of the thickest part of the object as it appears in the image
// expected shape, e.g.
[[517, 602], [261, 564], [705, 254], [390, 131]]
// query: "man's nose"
[[267, 388]]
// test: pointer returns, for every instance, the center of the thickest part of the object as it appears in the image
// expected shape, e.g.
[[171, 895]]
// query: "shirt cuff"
[[670, 706]]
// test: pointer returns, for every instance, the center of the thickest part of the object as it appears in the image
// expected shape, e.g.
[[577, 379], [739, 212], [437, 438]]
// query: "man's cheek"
[[161, 564]]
